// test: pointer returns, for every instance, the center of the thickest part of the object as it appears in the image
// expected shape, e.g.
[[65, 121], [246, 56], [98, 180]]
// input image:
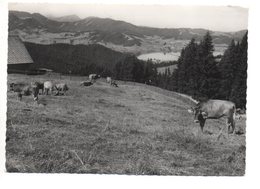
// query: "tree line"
[[200, 75], [88, 59]]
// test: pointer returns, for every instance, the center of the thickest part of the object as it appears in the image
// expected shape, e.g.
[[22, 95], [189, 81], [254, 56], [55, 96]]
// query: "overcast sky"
[[218, 18]]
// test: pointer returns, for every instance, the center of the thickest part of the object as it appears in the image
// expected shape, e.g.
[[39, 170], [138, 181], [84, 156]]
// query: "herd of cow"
[[36, 87], [210, 109]]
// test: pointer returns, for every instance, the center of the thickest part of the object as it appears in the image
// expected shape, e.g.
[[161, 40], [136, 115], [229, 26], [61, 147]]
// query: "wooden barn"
[[19, 60]]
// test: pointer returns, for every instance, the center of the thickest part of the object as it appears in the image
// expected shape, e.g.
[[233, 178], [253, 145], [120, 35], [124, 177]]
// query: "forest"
[[202, 77]]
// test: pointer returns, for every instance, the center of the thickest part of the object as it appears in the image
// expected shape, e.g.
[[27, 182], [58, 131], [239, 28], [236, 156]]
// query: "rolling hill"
[[114, 34], [79, 59], [69, 18]]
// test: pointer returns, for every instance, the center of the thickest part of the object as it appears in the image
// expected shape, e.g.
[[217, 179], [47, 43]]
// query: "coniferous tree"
[[238, 93], [228, 69], [174, 81], [138, 70], [187, 72], [208, 81]]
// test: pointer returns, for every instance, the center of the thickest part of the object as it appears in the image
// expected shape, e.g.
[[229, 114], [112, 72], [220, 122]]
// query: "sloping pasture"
[[132, 129]]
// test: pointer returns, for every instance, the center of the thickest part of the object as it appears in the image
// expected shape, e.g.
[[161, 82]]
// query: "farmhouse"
[[19, 60]]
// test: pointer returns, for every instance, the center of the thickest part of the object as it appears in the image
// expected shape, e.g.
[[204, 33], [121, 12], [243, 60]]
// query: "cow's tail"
[[234, 118]]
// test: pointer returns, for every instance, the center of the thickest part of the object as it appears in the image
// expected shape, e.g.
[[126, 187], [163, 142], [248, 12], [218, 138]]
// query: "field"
[[160, 56], [132, 129]]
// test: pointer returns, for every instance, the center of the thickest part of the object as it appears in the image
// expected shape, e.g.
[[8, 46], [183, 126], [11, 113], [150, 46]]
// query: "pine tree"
[[228, 69], [208, 80], [238, 93], [181, 73], [187, 72], [138, 70]]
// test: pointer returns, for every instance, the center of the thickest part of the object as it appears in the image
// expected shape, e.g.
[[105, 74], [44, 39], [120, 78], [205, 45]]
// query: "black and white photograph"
[[120, 89]]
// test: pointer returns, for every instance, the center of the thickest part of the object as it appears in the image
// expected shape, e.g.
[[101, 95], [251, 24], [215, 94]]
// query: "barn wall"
[[18, 68]]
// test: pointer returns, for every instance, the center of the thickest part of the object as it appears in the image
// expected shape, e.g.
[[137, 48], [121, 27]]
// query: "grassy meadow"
[[133, 129]]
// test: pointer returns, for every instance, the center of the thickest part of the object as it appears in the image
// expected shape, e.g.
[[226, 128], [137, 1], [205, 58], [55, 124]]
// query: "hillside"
[[132, 129], [115, 34], [69, 18], [79, 59]]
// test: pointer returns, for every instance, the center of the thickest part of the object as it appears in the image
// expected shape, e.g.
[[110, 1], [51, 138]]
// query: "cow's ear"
[[204, 115], [191, 110]]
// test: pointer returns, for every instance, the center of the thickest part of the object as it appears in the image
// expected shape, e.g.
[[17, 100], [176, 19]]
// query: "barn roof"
[[17, 52]]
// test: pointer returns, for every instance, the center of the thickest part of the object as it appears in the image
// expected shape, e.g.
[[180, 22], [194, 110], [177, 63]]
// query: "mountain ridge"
[[116, 34], [67, 18]]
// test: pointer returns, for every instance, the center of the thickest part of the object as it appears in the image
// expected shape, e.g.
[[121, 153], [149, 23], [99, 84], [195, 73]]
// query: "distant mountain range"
[[114, 34], [69, 18]]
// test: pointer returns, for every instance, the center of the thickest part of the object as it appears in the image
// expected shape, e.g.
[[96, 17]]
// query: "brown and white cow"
[[24, 89], [39, 85], [61, 87], [109, 80], [48, 86], [113, 83], [86, 83], [93, 77], [215, 109]]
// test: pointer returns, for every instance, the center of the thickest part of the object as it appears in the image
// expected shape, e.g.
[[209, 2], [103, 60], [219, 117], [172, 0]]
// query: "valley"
[[115, 34]]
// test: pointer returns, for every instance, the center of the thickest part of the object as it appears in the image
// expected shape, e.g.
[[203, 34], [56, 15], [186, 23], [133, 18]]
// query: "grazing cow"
[[149, 82], [86, 83], [16, 87], [61, 87], [47, 86], [215, 109], [109, 80], [39, 85], [114, 84], [24, 89], [93, 77]]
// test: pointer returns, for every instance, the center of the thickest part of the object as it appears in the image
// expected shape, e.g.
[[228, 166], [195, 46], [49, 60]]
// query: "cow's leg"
[[19, 96], [46, 91], [233, 123], [231, 126], [221, 130], [57, 93], [202, 123]]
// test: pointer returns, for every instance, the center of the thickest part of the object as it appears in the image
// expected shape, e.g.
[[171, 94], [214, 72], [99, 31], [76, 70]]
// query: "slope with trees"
[[200, 75]]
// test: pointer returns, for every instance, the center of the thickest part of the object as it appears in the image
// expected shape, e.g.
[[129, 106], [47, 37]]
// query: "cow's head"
[[199, 115]]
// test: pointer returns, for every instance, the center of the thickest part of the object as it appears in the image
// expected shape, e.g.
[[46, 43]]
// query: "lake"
[[160, 56]]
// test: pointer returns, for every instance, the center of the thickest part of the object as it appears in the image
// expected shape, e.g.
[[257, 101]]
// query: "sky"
[[217, 18]]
